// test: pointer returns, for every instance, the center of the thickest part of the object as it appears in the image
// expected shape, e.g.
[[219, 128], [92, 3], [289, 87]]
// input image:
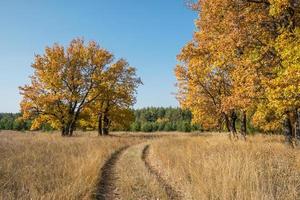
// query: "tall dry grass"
[[135, 181], [44, 166], [214, 167]]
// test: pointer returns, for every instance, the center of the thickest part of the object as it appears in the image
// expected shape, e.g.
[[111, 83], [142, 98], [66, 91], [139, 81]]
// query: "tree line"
[[243, 64], [14, 121], [8, 121], [145, 119], [163, 119], [80, 86]]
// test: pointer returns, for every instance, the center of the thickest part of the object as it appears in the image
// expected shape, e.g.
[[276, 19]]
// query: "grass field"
[[44, 166], [149, 166], [214, 167]]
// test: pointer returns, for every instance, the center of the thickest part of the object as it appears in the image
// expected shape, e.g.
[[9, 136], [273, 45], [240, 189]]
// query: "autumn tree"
[[207, 63], [252, 44], [276, 61], [283, 90], [64, 83], [113, 106]]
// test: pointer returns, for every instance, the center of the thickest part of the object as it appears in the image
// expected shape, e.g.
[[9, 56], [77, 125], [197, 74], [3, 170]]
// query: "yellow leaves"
[[37, 122], [266, 118], [244, 56], [283, 91], [288, 46], [277, 6], [68, 80], [180, 73]]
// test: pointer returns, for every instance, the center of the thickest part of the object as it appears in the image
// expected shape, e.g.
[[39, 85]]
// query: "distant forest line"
[[149, 119]]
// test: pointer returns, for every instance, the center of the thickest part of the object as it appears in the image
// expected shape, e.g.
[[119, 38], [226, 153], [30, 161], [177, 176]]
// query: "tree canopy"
[[243, 62], [68, 82]]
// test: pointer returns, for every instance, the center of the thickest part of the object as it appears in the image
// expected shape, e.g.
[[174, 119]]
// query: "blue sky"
[[148, 33]]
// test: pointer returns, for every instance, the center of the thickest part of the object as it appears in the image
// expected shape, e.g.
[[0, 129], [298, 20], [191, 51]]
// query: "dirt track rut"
[[171, 192], [128, 174], [106, 188]]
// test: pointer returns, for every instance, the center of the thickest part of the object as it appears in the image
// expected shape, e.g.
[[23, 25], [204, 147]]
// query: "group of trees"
[[163, 119], [8, 121], [14, 121], [79, 86], [243, 63]]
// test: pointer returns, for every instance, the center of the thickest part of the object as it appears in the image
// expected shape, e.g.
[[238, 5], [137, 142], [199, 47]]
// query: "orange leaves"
[[117, 95], [244, 57], [67, 80]]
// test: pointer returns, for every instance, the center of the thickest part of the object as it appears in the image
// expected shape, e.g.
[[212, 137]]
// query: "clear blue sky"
[[148, 33]]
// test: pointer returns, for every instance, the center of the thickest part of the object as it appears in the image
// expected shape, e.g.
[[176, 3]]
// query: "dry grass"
[[134, 179], [43, 166], [214, 167], [47, 166]]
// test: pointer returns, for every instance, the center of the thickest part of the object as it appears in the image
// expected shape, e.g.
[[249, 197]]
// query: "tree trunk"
[[288, 129], [71, 128], [63, 131], [105, 124], [227, 122], [297, 128], [244, 125], [233, 123], [68, 128], [72, 124], [100, 132]]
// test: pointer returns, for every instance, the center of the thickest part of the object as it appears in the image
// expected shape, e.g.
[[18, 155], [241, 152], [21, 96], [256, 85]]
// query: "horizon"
[[170, 24]]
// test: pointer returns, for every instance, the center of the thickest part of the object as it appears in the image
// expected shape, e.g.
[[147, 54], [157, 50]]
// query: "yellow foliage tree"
[[65, 83], [243, 59], [113, 107]]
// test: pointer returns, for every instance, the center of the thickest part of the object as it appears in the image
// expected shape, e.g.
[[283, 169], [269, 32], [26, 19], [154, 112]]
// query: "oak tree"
[[66, 81], [242, 60]]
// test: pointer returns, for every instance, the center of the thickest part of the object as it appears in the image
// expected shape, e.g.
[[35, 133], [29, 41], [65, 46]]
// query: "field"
[[147, 166], [42, 166], [214, 167]]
